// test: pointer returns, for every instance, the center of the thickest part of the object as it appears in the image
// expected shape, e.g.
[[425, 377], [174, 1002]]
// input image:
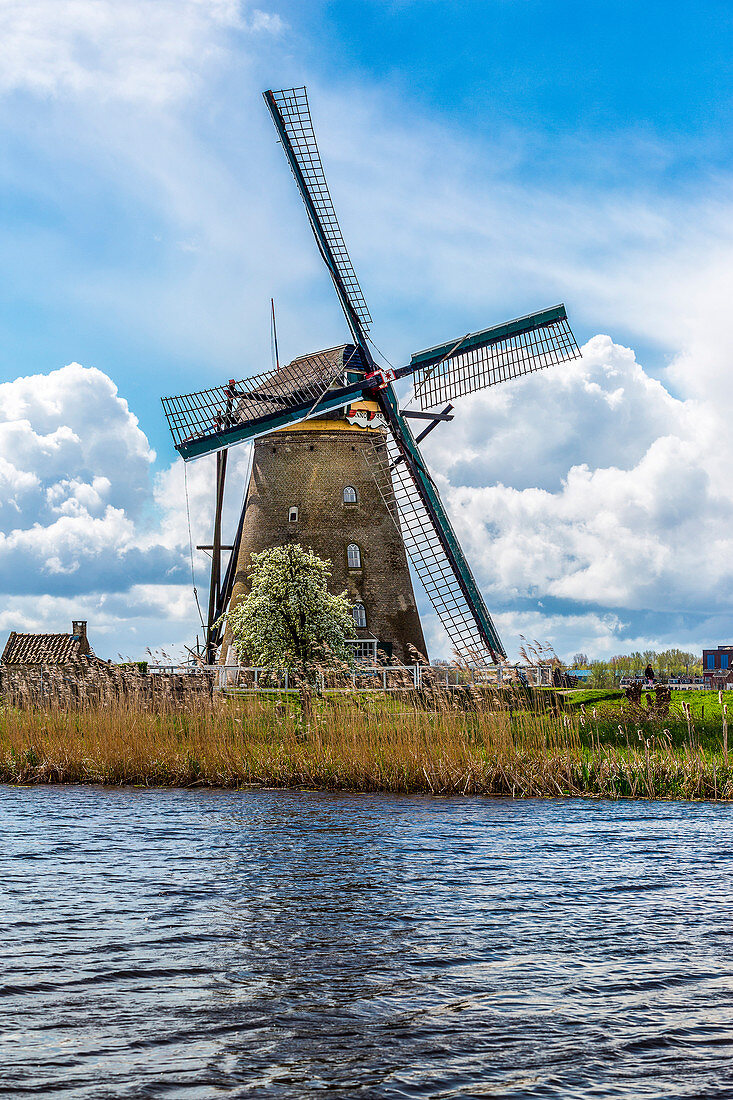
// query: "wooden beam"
[[215, 580]]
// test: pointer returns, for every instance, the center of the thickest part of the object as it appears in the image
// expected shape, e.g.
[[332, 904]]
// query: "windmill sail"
[[209, 420], [412, 500], [291, 115], [495, 355]]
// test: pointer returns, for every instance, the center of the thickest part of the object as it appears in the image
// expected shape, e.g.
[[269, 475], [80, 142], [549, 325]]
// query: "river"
[[196, 944]]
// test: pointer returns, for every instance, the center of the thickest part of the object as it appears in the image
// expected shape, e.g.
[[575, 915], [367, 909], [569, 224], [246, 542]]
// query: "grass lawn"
[[608, 717], [590, 696]]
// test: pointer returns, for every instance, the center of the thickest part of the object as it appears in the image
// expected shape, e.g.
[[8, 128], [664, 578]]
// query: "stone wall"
[[94, 683]]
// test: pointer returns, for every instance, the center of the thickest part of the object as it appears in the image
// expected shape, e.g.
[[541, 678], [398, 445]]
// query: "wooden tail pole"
[[215, 582]]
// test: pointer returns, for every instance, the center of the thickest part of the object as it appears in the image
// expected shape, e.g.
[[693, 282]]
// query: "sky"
[[487, 158]]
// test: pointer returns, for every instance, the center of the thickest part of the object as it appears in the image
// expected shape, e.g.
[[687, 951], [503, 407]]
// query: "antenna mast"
[[274, 335]]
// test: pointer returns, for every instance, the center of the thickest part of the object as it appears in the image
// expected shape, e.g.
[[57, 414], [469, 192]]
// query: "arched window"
[[353, 556], [359, 614], [350, 495], [293, 515]]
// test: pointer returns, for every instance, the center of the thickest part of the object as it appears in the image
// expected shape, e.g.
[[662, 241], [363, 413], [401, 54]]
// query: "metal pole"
[[221, 468]]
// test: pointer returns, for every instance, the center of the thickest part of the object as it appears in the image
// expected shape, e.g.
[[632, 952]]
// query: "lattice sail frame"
[[496, 355], [300, 385], [294, 112], [425, 550]]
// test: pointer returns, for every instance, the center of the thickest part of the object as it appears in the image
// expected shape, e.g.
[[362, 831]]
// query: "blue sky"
[[559, 69], [486, 159]]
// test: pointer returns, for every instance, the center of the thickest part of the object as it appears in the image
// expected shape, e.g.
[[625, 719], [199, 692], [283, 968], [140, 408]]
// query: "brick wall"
[[308, 468]]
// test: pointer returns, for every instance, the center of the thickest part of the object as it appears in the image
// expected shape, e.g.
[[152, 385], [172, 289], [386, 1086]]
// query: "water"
[[270, 944]]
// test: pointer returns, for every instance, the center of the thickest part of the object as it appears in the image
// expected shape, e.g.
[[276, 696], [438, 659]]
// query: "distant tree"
[[668, 662], [289, 620], [580, 660], [688, 663], [621, 665], [600, 674]]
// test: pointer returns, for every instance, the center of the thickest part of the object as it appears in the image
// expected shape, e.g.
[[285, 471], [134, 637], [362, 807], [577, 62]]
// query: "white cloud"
[[589, 485], [600, 410], [67, 437], [159, 617], [269, 22], [86, 527], [133, 50]]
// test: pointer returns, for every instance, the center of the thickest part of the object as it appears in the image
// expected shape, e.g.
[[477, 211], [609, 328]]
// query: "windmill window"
[[293, 515], [353, 556], [364, 649], [359, 614], [350, 496]]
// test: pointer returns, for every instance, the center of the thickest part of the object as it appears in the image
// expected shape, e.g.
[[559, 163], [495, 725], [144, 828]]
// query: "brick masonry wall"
[[308, 468]]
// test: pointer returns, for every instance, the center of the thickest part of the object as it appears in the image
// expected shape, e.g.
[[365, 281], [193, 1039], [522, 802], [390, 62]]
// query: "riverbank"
[[365, 743]]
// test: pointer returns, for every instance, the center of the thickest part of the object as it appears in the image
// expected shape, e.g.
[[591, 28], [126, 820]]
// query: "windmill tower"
[[330, 424], [311, 484]]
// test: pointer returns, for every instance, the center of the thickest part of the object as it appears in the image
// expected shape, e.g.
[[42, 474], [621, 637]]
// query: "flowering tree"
[[289, 620]]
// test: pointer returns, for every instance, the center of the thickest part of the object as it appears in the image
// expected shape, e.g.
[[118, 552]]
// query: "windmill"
[[317, 387]]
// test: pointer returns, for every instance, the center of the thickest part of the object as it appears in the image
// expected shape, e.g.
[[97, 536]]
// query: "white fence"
[[250, 679]]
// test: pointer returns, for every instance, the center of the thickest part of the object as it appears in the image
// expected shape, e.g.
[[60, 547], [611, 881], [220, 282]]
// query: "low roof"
[[37, 649]]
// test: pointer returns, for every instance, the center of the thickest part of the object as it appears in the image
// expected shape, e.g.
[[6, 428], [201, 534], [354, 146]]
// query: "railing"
[[251, 679]]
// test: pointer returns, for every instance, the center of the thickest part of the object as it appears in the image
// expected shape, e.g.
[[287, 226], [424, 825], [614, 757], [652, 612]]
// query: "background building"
[[717, 663]]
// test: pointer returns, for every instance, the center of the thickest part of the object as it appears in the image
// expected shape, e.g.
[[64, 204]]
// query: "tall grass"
[[358, 743]]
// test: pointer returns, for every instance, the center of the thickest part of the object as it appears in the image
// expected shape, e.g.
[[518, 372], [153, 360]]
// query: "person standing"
[[649, 674]]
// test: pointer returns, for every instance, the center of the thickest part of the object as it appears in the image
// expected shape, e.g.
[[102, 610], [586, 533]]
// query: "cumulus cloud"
[[87, 527], [76, 470], [590, 487], [600, 410], [63, 436]]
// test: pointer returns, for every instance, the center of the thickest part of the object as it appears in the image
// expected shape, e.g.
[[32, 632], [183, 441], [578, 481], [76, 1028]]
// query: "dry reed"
[[357, 743]]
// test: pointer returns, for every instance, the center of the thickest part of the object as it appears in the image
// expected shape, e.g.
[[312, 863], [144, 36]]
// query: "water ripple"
[[193, 944]]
